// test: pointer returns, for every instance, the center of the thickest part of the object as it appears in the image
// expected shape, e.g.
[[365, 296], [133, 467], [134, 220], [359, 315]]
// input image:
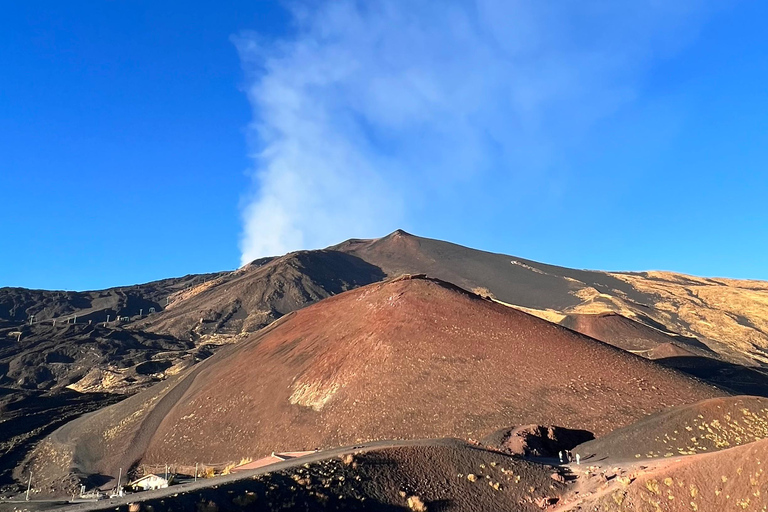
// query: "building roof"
[[271, 459], [146, 477]]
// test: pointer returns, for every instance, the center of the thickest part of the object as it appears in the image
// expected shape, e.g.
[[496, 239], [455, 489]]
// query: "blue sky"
[[141, 140]]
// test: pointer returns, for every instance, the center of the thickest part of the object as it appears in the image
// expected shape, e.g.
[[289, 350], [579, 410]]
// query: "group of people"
[[566, 457]]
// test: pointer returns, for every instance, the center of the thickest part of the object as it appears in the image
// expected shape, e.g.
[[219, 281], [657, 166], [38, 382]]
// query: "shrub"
[[483, 292], [416, 503]]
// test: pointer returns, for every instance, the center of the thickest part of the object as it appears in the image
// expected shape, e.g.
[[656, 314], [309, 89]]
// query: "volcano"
[[407, 358]]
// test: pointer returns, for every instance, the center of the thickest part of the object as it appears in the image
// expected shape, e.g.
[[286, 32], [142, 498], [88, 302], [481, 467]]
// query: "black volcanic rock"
[[259, 293], [20, 304]]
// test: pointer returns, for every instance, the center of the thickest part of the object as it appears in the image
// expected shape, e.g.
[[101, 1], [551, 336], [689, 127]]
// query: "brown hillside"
[[510, 279], [679, 352], [410, 358], [728, 480], [729, 316], [707, 426], [635, 337], [441, 475]]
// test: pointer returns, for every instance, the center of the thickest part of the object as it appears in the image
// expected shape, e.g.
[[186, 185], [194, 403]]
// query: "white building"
[[148, 483]]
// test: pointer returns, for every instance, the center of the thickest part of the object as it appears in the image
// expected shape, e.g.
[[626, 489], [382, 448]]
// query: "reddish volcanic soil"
[[724, 481], [404, 359], [707, 426], [679, 352], [635, 337]]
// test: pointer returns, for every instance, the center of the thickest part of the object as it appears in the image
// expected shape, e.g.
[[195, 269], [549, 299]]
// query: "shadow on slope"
[[28, 416], [631, 335], [729, 376], [259, 293]]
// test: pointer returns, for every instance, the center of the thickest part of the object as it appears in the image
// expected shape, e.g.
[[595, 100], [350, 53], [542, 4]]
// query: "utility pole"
[[166, 472], [29, 485], [74, 321], [105, 323], [31, 319], [140, 312], [119, 477], [195, 471]]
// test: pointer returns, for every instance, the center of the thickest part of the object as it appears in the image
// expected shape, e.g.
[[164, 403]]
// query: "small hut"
[[149, 483]]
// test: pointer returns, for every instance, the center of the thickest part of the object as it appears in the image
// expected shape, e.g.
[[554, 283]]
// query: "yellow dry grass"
[[733, 312], [188, 293], [547, 314], [229, 467]]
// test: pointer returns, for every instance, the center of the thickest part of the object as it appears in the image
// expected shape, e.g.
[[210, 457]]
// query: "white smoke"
[[371, 107]]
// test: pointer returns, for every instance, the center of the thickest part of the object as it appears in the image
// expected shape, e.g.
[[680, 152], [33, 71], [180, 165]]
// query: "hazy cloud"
[[371, 106]]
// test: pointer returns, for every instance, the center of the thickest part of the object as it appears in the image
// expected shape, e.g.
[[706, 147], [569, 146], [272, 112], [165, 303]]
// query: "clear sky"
[[142, 140]]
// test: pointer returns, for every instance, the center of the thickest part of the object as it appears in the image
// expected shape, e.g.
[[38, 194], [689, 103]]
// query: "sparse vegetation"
[[483, 292], [229, 467], [415, 503]]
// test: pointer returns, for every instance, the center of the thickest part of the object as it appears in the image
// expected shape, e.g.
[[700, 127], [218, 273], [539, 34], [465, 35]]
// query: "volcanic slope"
[[447, 474], [679, 352], [702, 457], [729, 480], [20, 304], [509, 279], [633, 312], [408, 358], [44, 369], [728, 315], [259, 293], [707, 426], [443, 474], [635, 337]]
